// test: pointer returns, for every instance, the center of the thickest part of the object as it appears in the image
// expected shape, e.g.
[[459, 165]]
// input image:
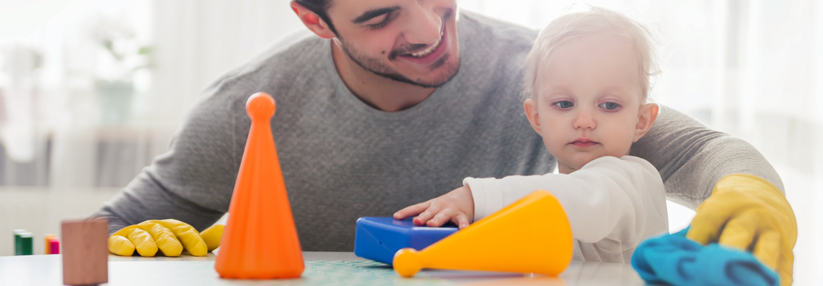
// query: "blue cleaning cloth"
[[676, 260]]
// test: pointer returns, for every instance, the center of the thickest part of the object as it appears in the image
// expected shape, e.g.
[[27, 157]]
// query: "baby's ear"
[[531, 113], [645, 119]]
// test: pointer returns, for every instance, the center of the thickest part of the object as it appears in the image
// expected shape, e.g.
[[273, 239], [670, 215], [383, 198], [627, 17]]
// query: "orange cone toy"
[[260, 240], [532, 235]]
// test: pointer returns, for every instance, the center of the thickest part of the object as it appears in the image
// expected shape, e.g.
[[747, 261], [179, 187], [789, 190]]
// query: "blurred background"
[[92, 90]]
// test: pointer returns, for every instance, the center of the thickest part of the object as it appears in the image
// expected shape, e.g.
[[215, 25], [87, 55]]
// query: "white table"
[[321, 269]]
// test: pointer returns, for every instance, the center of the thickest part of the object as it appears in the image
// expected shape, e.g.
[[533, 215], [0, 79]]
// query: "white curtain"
[[196, 41], [60, 128]]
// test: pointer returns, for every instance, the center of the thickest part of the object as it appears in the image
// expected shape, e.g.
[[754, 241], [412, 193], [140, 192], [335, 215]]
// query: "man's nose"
[[424, 28], [584, 120]]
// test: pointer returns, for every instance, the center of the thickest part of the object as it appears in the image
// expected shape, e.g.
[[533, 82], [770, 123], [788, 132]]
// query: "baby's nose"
[[584, 120]]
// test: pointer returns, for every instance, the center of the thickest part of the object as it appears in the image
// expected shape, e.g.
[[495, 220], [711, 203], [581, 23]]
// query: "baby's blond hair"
[[593, 22]]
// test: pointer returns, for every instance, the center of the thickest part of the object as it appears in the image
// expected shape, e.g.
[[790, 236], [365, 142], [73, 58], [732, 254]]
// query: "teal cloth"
[[676, 260]]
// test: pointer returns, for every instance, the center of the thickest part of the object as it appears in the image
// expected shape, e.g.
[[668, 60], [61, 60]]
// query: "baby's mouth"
[[583, 143]]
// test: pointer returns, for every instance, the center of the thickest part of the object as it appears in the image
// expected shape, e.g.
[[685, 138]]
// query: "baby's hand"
[[456, 206]]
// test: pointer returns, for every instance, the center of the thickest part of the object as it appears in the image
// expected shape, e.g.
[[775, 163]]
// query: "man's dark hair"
[[319, 7]]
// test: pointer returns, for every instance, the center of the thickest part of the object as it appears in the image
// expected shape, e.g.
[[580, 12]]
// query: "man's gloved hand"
[[167, 235], [749, 213]]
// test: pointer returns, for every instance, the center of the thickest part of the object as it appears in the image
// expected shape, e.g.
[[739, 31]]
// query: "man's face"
[[411, 41]]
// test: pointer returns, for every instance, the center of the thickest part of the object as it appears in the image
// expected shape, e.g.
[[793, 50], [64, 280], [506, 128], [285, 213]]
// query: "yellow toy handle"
[[407, 262]]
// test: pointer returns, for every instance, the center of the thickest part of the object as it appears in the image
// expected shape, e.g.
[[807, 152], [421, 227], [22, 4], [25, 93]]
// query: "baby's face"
[[587, 100]]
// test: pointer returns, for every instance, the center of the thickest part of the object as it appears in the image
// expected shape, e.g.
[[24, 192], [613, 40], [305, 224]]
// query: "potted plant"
[[123, 56]]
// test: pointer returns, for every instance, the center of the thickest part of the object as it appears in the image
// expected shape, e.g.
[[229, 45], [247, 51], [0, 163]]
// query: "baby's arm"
[[608, 198]]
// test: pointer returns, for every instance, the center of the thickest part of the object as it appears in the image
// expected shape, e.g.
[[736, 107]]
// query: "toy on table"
[[23, 242], [531, 235], [260, 239], [379, 238], [52, 244], [47, 246], [85, 252], [17, 233], [673, 259]]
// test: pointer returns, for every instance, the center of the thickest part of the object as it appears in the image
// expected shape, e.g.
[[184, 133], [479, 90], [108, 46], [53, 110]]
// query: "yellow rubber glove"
[[169, 236], [749, 213]]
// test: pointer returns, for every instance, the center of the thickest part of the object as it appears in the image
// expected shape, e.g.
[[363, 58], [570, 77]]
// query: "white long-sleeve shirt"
[[612, 203]]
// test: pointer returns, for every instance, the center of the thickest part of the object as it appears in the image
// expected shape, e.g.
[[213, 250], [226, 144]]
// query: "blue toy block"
[[379, 238]]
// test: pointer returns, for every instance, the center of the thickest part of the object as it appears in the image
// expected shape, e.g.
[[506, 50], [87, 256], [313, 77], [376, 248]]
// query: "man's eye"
[[564, 104], [386, 19], [609, 105]]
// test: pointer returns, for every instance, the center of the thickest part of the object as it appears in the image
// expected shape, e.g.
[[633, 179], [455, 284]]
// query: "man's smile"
[[429, 53], [429, 49]]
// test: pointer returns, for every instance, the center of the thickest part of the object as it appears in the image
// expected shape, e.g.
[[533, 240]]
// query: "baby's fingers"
[[462, 221], [412, 210], [426, 215], [441, 218]]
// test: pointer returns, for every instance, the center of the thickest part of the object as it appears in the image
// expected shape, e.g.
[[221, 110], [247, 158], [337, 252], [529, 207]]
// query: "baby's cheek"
[[621, 141], [553, 146]]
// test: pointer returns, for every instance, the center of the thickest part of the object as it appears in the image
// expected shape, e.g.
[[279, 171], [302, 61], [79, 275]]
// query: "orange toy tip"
[[407, 262], [260, 106]]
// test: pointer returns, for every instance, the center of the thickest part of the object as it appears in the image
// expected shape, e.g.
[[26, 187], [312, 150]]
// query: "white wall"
[[198, 40], [40, 211]]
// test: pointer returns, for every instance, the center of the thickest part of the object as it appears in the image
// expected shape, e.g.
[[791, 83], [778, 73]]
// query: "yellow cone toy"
[[532, 235]]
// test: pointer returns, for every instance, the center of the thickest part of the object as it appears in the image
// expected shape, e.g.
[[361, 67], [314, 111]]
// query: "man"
[[393, 102]]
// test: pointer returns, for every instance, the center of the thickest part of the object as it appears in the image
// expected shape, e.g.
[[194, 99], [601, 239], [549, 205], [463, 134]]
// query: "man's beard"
[[376, 67]]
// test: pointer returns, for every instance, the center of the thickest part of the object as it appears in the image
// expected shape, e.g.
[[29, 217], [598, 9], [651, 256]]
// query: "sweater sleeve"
[[691, 157], [608, 198]]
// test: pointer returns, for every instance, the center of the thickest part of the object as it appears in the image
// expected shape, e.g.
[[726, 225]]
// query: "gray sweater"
[[342, 159]]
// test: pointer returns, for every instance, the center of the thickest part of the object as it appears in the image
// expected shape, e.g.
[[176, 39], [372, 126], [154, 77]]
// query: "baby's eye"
[[563, 104], [609, 105]]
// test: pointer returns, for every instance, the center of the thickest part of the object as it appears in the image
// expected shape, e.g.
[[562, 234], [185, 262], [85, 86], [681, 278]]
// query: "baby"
[[587, 81]]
